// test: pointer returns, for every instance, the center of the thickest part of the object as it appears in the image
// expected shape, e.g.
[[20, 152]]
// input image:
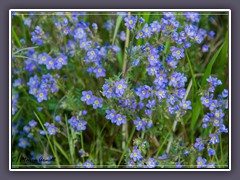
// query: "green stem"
[[49, 141], [129, 140]]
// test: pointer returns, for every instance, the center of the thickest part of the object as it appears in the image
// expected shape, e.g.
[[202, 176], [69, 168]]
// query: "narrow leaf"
[[210, 65]]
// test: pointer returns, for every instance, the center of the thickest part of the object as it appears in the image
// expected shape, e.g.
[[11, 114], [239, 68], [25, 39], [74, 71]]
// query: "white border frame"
[[117, 10]]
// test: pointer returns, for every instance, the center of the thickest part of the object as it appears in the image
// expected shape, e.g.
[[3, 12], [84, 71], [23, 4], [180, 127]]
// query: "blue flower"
[[100, 71], [120, 119], [58, 119], [107, 90], [213, 139], [95, 26], [147, 32], [155, 27], [32, 123], [87, 97], [111, 115], [61, 60], [151, 163], [81, 125], [206, 101], [130, 21], [151, 103], [23, 143], [186, 104], [97, 102], [52, 130], [201, 162], [211, 152], [178, 165], [140, 124], [136, 155], [120, 87], [211, 165], [192, 16], [108, 25], [199, 144], [178, 53], [205, 48], [42, 95], [161, 80], [135, 62], [122, 35], [143, 92], [88, 164]]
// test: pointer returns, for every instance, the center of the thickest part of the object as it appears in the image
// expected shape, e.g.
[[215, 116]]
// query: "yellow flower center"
[[119, 86], [160, 93], [44, 58], [206, 101], [92, 52], [41, 94], [131, 22], [99, 70], [96, 102], [50, 62], [60, 59], [178, 52]]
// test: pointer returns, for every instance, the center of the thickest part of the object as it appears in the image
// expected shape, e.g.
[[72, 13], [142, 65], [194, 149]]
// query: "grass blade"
[[191, 70], [210, 65], [118, 22], [49, 141]]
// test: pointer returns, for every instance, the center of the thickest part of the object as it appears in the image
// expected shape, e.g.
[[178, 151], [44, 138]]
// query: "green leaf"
[[62, 151], [195, 113], [167, 47], [118, 22], [210, 65], [191, 69], [15, 37]]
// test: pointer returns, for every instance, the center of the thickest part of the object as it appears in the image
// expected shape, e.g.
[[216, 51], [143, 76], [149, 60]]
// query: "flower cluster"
[[90, 99], [41, 88], [77, 124]]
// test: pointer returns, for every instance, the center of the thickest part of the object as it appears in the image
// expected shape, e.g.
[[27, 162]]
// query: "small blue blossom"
[[136, 155], [178, 53], [97, 102], [140, 124], [151, 163], [201, 162], [88, 164], [120, 87], [52, 130], [23, 143], [213, 139], [58, 119], [32, 123], [199, 144], [120, 119], [130, 21], [87, 97], [178, 165], [211, 152]]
